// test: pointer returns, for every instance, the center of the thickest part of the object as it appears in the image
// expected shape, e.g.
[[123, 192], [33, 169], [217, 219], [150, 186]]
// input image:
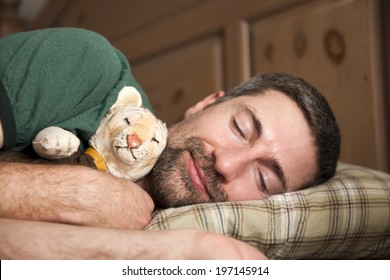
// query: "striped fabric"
[[347, 217]]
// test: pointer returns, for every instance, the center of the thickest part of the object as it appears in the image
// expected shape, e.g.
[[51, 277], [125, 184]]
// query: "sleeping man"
[[272, 134]]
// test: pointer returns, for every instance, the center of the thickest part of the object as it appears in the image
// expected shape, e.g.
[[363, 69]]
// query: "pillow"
[[348, 217]]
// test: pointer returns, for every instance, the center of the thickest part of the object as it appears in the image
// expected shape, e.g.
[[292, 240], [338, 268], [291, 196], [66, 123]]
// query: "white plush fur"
[[129, 138]]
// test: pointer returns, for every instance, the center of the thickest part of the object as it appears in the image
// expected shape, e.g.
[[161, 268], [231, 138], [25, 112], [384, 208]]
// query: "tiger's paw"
[[55, 143]]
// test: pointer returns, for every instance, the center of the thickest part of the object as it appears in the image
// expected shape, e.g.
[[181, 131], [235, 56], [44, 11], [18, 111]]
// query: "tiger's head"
[[129, 138]]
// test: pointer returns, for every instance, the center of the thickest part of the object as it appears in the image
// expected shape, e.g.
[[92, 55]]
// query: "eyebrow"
[[256, 122], [275, 165]]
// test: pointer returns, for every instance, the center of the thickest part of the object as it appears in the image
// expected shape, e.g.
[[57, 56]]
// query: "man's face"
[[246, 148]]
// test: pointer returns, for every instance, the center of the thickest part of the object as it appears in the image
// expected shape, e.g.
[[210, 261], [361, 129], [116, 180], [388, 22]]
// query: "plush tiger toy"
[[127, 143]]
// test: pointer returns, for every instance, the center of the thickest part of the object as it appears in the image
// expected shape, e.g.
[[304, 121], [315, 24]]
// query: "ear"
[[204, 103], [129, 96]]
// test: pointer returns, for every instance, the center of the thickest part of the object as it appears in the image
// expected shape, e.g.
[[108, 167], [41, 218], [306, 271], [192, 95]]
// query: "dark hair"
[[314, 106]]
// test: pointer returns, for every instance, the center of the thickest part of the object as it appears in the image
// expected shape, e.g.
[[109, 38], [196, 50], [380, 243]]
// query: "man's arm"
[[71, 194], [40, 240]]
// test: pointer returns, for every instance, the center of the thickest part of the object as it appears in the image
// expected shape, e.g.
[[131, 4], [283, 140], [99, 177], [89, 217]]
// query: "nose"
[[133, 141], [230, 163]]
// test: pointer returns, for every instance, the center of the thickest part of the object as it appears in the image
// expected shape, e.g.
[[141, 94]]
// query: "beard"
[[170, 182]]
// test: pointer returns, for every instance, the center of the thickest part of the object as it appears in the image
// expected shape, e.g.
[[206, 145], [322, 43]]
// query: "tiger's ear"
[[129, 96]]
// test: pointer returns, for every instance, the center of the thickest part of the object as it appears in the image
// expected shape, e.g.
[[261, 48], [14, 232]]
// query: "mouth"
[[196, 175], [123, 151], [120, 142]]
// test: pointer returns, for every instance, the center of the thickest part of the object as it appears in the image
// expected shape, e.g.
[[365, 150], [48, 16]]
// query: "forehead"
[[270, 96], [271, 99]]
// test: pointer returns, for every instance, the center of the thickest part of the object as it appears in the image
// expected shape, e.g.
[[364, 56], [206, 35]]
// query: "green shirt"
[[64, 77]]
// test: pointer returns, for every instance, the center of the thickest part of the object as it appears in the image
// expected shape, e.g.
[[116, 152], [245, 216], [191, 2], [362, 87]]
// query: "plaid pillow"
[[347, 217]]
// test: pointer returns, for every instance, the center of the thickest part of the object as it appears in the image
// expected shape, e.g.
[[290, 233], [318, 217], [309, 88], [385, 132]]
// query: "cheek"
[[245, 192], [178, 133], [200, 123], [215, 134], [243, 188]]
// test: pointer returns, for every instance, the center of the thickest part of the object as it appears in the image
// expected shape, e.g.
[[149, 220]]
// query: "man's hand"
[[41, 240], [195, 244], [72, 194]]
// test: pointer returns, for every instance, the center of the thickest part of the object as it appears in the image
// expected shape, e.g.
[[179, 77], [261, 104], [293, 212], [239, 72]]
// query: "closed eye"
[[263, 186], [237, 128], [127, 121], [155, 140]]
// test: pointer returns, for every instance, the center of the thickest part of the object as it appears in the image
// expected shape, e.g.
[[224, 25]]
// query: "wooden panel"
[[236, 47], [385, 7], [113, 18], [205, 18], [9, 21], [177, 79], [49, 14], [330, 44], [144, 28]]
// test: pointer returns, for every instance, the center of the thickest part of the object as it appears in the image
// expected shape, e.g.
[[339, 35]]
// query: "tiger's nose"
[[133, 141]]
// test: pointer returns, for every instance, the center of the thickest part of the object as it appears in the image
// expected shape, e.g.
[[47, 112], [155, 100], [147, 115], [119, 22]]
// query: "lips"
[[196, 175]]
